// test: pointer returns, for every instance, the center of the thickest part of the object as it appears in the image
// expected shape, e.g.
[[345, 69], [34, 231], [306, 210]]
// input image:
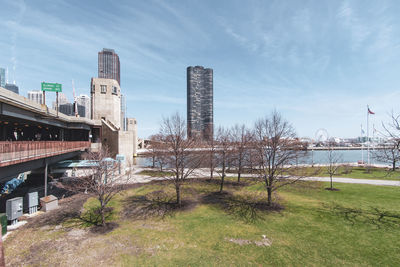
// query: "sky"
[[318, 63]]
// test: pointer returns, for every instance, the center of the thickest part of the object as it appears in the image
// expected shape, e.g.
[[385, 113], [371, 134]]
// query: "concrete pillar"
[[45, 179], [2, 132]]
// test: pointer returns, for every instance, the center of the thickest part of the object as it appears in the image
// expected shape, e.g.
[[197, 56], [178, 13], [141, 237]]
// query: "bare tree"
[[210, 160], [241, 138], [277, 150], [155, 141], [105, 178], [224, 153], [334, 160], [391, 149], [182, 158]]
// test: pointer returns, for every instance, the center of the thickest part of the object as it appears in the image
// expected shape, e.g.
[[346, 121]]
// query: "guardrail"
[[13, 152]]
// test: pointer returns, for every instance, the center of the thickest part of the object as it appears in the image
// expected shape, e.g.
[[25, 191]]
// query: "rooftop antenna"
[[75, 104]]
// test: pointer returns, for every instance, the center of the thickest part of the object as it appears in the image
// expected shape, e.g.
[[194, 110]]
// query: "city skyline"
[[318, 63]]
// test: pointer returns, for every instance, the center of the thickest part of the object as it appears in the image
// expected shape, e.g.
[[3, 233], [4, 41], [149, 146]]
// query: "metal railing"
[[13, 152]]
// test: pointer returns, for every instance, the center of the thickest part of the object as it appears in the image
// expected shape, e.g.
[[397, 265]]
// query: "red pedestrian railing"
[[20, 151]]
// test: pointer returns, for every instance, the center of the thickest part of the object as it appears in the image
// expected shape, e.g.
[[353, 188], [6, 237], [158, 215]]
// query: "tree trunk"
[[394, 165], [239, 176], [178, 195], [103, 220], [223, 175], [331, 182], [154, 162], [269, 190], [222, 183], [211, 171]]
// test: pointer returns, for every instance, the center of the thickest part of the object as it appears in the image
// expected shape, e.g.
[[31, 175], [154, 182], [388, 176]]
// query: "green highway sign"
[[51, 87]]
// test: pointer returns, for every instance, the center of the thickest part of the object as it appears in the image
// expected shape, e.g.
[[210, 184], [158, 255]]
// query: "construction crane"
[[75, 103]]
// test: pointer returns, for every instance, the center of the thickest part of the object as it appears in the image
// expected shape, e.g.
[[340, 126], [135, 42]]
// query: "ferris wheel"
[[321, 135]]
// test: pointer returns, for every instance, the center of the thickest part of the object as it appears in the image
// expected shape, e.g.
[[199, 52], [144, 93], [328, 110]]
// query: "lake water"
[[319, 157]]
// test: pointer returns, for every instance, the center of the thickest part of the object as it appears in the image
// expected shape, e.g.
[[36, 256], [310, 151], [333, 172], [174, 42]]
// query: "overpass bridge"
[[33, 136]]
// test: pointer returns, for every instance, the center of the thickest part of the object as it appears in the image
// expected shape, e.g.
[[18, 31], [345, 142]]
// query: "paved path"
[[203, 173], [354, 181]]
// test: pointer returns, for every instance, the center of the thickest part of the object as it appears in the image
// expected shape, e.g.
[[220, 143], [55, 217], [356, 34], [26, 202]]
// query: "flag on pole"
[[370, 112]]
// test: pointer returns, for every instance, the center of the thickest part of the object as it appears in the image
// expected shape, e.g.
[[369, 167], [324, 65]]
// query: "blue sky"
[[319, 63]]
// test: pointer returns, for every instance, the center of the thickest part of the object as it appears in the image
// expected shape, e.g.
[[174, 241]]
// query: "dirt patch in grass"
[[247, 207], [264, 242], [154, 204], [228, 183], [332, 189], [99, 229], [69, 208]]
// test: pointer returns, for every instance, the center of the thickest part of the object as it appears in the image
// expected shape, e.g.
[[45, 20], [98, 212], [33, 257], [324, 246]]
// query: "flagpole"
[[373, 140], [368, 135], [362, 146]]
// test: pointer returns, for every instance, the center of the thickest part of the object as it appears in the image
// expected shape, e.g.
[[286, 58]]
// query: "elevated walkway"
[[21, 151]]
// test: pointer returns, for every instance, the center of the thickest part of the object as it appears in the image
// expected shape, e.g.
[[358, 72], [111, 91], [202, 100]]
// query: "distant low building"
[[36, 96], [84, 101], [69, 109], [2, 77], [12, 87]]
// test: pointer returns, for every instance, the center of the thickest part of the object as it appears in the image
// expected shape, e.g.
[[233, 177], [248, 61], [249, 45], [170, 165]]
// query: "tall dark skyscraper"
[[109, 67], [200, 122]]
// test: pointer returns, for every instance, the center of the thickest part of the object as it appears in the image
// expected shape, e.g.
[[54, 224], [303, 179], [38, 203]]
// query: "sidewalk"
[[205, 173]]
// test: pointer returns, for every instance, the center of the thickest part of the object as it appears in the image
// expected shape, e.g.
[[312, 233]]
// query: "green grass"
[[156, 173], [356, 172], [348, 172], [307, 233], [316, 228]]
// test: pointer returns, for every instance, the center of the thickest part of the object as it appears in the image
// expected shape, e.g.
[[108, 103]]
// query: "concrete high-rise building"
[[200, 102], [108, 65], [84, 100], [12, 87], [36, 96], [2, 77]]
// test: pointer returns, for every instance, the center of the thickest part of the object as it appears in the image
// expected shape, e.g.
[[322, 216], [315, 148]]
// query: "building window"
[[103, 89], [114, 91]]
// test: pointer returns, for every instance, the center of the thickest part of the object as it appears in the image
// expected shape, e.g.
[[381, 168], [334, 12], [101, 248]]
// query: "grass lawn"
[[311, 227], [357, 173], [156, 173]]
